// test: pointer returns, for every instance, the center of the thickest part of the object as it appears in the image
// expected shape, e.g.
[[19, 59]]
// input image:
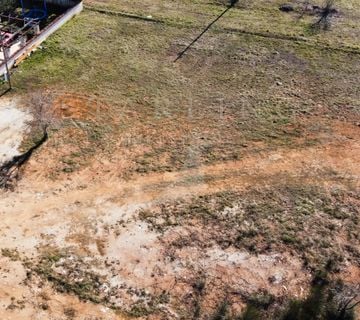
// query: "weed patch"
[[295, 218]]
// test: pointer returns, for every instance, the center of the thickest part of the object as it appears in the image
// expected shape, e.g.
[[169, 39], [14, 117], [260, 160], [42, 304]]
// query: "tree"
[[326, 12], [43, 117], [42, 111]]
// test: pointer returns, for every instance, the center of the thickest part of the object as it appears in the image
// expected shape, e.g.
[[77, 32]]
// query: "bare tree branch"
[[43, 117], [325, 14]]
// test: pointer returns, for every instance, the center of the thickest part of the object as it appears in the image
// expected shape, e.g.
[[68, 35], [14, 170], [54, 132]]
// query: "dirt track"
[[338, 158]]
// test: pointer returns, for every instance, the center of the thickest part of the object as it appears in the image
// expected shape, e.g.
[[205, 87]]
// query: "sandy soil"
[[13, 124], [93, 213]]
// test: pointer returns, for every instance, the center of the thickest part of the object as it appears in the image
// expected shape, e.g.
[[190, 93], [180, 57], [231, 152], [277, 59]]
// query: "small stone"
[[276, 278]]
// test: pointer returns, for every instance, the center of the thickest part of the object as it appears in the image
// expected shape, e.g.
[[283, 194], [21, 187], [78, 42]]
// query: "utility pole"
[[5, 53]]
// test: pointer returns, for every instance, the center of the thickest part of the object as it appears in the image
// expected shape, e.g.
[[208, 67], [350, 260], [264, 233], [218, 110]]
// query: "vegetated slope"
[[225, 185]]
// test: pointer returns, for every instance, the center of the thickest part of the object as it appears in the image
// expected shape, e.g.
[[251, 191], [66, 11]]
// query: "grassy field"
[[254, 91], [262, 17]]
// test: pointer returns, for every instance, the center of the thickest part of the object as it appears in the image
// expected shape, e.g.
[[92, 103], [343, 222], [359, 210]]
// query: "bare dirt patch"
[[13, 127], [141, 272], [79, 107]]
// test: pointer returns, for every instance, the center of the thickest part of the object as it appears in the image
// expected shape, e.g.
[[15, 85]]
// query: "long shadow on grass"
[[230, 6]]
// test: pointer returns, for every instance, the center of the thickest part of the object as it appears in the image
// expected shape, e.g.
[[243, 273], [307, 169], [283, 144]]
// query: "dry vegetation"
[[281, 218], [225, 186]]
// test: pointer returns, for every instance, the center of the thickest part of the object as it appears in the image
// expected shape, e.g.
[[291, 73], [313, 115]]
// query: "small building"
[[25, 24]]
